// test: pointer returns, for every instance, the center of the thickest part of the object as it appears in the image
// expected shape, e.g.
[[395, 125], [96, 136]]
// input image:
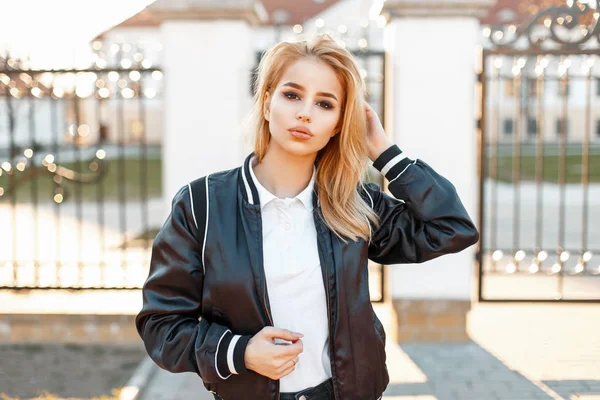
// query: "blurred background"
[[107, 109]]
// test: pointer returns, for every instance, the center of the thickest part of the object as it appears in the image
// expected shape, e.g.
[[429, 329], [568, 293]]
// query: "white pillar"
[[432, 49], [208, 58]]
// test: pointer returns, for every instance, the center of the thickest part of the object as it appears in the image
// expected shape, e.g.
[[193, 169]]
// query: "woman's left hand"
[[377, 139]]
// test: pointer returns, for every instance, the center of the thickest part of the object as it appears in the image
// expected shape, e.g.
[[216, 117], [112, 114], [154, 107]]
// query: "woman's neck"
[[282, 174]]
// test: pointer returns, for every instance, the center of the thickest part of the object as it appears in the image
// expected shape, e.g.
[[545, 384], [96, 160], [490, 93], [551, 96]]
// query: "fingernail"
[[298, 334]]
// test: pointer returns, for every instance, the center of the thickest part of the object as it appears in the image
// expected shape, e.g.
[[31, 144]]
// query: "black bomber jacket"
[[207, 283]]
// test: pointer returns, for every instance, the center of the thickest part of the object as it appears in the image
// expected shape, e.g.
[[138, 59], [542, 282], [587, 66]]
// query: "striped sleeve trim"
[[221, 355], [230, 349], [392, 162], [238, 354], [230, 355]]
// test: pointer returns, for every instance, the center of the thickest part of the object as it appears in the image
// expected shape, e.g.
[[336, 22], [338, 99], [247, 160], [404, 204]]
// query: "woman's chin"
[[297, 148], [301, 150]]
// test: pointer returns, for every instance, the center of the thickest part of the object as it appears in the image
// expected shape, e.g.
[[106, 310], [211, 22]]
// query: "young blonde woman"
[[258, 279]]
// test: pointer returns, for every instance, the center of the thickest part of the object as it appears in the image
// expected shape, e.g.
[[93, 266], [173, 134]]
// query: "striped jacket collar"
[[249, 190]]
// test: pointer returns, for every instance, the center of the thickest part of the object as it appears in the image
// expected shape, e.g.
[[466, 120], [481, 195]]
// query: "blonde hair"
[[342, 164]]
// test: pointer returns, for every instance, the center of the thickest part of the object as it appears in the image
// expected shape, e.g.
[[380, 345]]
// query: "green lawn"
[[125, 176], [551, 167], [110, 187]]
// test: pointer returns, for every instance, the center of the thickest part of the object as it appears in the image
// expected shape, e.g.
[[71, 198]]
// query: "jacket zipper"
[[330, 329], [265, 304], [265, 292], [329, 321], [271, 321]]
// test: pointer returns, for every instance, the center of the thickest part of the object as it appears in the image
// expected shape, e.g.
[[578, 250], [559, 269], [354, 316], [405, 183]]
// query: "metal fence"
[[80, 173], [539, 138]]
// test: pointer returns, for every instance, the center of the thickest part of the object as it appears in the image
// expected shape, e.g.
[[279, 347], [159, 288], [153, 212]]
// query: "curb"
[[137, 383]]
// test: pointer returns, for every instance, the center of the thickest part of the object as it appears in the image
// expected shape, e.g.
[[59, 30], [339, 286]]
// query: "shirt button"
[[287, 227], [303, 397]]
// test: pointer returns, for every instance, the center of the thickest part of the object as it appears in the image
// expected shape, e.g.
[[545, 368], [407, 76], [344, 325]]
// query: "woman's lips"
[[299, 135]]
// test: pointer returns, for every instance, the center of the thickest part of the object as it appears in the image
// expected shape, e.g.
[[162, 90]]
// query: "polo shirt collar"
[[305, 196]]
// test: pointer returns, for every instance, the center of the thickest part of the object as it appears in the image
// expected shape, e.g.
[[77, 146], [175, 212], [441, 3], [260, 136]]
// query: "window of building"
[[531, 126], [559, 126], [508, 126]]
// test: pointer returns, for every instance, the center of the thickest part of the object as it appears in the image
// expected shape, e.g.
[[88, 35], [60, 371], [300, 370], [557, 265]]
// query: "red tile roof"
[[297, 12], [504, 12]]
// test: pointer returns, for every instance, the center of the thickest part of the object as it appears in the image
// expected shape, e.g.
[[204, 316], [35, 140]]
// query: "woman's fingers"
[[289, 363], [289, 368]]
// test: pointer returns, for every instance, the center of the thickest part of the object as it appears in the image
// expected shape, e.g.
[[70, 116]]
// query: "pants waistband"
[[323, 391]]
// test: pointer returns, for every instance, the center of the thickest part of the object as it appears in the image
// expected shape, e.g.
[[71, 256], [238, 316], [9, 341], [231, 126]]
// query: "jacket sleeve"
[[170, 323], [423, 219]]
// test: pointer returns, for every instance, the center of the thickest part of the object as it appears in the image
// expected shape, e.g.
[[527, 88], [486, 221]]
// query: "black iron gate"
[[80, 171], [539, 137]]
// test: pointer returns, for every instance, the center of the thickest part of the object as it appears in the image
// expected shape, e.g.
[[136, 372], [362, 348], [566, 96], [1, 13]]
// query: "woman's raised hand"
[[377, 139], [274, 361]]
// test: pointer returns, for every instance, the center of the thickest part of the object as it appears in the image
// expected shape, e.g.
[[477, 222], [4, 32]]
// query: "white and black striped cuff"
[[230, 354], [392, 162]]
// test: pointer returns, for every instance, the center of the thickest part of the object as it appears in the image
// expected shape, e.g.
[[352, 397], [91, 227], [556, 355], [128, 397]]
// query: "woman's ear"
[[338, 128], [267, 107]]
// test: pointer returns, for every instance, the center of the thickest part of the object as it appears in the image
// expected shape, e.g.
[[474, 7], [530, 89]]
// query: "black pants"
[[324, 391]]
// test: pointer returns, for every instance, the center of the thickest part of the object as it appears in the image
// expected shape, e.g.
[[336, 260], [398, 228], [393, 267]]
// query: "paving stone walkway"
[[517, 352]]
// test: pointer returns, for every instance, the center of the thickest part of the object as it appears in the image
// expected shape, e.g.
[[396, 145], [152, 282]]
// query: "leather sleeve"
[[170, 323], [425, 217]]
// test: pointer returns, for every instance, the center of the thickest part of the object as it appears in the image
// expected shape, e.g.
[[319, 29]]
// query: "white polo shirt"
[[295, 281]]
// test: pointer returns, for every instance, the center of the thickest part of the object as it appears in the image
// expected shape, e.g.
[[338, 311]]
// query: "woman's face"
[[304, 108]]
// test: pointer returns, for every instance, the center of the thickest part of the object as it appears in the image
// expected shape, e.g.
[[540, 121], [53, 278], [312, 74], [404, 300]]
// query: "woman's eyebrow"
[[300, 87]]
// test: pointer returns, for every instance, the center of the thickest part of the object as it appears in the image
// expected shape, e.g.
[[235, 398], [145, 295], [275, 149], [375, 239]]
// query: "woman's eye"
[[291, 95]]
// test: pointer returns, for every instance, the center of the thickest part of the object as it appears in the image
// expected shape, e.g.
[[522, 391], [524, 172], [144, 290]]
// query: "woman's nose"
[[303, 116]]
